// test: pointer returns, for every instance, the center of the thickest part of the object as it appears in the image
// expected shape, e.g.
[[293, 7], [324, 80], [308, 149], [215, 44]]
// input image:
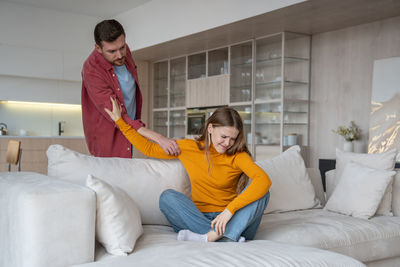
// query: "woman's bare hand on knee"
[[220, 222]]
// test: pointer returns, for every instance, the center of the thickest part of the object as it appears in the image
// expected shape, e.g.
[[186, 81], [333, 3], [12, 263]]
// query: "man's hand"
[[219, 223], [115, 114], [169, 145]]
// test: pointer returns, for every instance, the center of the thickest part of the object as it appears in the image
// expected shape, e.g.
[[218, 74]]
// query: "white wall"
[[42, 52], [159, 21], [45, 45]]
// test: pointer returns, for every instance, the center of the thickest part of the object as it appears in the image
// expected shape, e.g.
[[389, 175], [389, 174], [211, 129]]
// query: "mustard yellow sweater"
[[215, 190]]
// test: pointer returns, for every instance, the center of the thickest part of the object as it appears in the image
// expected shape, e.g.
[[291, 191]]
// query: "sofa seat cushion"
[[365, 240], [158, 247]]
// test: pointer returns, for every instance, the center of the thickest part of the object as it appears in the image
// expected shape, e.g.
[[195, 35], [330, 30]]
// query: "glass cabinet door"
[[160, 122], [197, 66], [218, 62], [160, 88], [268, 76], [177, 124], [241, 72], [177, 82], [267, 130], [245, 114], [296, 90]]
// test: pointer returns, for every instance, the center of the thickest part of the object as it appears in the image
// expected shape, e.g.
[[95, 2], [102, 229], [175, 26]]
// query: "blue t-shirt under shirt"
[[128, 87]]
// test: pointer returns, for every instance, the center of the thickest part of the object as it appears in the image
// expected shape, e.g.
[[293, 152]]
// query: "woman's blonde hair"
[[229, 117]]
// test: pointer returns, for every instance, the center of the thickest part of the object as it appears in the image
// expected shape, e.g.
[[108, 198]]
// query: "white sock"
[[187, 235], [242, 239]]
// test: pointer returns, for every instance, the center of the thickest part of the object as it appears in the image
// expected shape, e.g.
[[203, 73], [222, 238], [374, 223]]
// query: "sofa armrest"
[[45, 221]]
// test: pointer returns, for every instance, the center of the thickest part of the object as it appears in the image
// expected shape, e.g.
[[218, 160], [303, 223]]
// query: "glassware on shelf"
[[197, 66], [246, 115], [160, 89], [218, 61], [177, 124], [241, 65], [178, 82], [160, 122]]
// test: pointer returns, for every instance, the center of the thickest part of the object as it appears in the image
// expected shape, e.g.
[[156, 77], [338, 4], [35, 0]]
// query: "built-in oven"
[[195, 122], [196, 119]]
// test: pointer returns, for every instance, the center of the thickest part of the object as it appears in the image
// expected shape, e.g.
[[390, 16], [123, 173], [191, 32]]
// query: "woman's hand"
[[219, 223], [116, 112]]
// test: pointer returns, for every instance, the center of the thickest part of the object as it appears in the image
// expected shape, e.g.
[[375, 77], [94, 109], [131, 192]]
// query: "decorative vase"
[[348, 146]]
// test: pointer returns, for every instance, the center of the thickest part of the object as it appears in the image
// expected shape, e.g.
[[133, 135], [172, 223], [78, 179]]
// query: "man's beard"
[[120, 62]]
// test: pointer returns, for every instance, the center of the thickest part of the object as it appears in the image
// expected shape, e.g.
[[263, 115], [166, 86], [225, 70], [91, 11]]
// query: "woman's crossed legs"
[[183, 214]]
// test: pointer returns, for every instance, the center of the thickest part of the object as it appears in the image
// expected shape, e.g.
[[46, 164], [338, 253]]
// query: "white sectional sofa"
[[51, 221]]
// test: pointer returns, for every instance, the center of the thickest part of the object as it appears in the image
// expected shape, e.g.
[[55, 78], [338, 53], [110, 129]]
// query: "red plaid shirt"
[[99, 82]]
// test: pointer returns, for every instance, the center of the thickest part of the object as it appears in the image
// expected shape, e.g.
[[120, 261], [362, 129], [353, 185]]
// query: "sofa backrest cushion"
[[142, 179], [396, 194], [315, 177], [380, 161], [291, 187]]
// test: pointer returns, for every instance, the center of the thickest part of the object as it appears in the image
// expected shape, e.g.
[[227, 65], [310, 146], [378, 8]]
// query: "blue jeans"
[[182, 213]]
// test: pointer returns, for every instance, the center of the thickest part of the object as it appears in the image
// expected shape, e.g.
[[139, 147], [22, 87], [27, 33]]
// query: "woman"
[[214, 163]]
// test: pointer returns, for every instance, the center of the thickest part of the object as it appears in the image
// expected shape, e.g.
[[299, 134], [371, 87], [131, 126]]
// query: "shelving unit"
[[267, 81], [282, 64]]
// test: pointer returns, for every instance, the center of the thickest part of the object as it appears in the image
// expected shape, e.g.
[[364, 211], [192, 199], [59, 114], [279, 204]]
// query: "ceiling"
[[310, 17], [94, 8]]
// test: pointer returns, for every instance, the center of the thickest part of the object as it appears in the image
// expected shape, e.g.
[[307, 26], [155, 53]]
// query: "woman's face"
[[222, 137]]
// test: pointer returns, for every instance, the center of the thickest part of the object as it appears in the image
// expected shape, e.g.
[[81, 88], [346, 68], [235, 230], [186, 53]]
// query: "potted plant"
[[350, 134]]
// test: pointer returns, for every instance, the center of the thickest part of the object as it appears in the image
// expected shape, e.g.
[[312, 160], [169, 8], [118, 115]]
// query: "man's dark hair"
[[108, 31]]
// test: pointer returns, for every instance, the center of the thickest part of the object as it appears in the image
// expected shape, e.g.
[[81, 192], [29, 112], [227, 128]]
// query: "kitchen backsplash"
[[41, 120]]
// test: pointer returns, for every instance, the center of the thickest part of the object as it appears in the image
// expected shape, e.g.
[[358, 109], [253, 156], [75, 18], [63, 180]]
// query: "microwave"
[[196, 119]]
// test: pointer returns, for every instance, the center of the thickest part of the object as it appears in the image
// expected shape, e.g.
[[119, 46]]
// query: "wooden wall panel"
[[206, 92], [341, 81]]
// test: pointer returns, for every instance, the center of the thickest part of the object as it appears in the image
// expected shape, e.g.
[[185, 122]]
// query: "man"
[[110, 72]]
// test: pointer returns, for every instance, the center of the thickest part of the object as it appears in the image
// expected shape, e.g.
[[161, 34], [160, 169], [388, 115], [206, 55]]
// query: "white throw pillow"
[[384, 208], [359, 191], [142, 179], [291, 187], [381, 161], [118, 223]]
